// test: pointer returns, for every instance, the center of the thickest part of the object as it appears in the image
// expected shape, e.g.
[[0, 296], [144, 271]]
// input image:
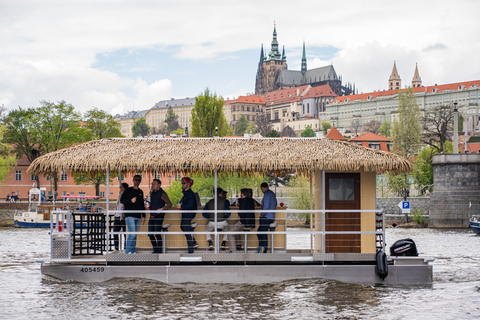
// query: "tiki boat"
[[345, 241]]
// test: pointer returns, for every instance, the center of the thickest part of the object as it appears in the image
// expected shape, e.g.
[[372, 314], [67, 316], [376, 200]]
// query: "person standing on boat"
[[246, 214], [222, 204], [119, 222], [269, 202], [159, 201], [132, 198], [188, 204]]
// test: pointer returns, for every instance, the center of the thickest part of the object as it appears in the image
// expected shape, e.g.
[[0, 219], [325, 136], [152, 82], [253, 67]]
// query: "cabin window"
[[18, 175], [63, 176], [341, 189]]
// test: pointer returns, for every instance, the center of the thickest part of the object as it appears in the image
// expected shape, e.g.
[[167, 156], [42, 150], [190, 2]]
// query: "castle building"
[[273, 74], [250, 106]]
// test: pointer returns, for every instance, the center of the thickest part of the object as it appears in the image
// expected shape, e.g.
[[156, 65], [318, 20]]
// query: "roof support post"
[[215, 195], [311, 214], [107, 207]]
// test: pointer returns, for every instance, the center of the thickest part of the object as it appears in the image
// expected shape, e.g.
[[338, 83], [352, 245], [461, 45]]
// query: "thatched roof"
[[227, 154]]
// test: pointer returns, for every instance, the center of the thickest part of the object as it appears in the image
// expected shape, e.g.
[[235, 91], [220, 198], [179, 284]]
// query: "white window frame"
[[18, 175], [63, 176]]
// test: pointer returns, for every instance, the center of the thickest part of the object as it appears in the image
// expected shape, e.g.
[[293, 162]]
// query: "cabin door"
[[342, 192]]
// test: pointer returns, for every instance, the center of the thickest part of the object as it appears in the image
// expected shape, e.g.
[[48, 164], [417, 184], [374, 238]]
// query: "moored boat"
[[475, 224]]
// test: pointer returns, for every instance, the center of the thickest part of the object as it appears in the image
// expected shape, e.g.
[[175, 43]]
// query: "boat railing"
[[331, 231]]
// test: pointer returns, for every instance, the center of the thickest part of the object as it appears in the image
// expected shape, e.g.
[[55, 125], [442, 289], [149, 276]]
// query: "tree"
[[94, 178], [7, 161], [21, 131], [407, 132], [59, 127], [301, 196], [423, 170], [437, 126], [355, 126], [171, 120], [241, 126], [101, 124], [141, 128], [252, 128], [263, 125], [273, 134], [385, 129], [178, 131], [325, 127], [288, 132], [372, 126], [207, 115], [308, 132]]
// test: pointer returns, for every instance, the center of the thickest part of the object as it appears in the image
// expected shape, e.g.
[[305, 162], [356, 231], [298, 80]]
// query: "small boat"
[[38, 213], [475, 224]]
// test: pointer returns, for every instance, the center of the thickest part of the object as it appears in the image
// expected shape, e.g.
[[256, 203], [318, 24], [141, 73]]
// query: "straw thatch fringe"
[[222, 154]]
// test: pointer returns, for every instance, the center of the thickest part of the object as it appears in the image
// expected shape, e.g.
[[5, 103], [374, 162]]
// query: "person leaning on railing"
[[269, 202], [188, 205]]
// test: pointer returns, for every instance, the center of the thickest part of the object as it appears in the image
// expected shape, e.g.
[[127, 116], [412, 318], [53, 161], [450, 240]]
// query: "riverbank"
[[6, 217]]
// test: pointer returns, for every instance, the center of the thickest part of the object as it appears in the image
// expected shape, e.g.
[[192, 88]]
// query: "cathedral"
[[273, 74]]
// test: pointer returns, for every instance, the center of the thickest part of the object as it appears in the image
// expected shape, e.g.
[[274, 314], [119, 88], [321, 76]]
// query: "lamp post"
[[455, 128]]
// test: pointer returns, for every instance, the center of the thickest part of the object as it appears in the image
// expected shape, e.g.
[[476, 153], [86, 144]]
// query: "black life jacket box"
[[404, 247]]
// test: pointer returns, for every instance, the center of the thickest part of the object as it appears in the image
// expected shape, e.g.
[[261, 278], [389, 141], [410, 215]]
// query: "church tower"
[[269, 67], [416, 81], [304, 60], [394, 83]]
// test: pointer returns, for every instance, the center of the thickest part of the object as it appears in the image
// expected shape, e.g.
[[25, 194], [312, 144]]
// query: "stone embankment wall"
[[394, 214]]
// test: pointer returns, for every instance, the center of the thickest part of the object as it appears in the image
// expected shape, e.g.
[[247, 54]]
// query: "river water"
[[455, 294]]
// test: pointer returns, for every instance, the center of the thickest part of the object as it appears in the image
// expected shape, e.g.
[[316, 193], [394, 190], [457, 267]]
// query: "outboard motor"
[[404, 247]]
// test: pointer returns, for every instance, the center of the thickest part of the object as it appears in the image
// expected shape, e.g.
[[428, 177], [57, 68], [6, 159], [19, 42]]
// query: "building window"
[[82, 194], [102, 194], [63, 176], [33, 177], [48, 178], [374, 145], [65, 193], [18, 175], [157, 175]]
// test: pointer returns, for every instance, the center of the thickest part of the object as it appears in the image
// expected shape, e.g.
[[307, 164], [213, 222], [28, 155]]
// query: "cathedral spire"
[[261, 55], [304, 59], [416, 81], [394, 82], [274, 53]]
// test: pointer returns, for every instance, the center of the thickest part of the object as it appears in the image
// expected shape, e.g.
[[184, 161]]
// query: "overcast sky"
[[124, 55]]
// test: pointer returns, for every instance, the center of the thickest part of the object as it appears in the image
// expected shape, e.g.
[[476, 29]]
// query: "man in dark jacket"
[[132, 199], [246, 214], [188, 204], [159, 201]]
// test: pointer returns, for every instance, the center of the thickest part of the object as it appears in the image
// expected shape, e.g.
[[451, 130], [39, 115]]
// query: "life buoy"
[[382, 265]]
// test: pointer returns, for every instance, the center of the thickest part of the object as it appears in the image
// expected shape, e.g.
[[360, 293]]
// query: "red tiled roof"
[[247, 99], [285, 95], [428, 89], [370, 136], [320, 91], [472, 147], [334, 134]]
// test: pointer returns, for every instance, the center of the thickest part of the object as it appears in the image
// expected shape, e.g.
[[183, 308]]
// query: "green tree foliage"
[[399, 183], [308, 132], [141, 128], [242, 125], [21, 131], [178, 132], [208, 115], [385, 129], [264, 126], [325, 127], [204, 185], [252, 128], [407, 131], [288, 132], [171, 120], [101, 124], [273, 134], [95, 178], [7, 160], [301, 196], [423, 170]]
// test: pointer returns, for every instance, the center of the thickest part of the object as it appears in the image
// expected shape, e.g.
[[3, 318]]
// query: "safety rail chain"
[[87, 233]]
